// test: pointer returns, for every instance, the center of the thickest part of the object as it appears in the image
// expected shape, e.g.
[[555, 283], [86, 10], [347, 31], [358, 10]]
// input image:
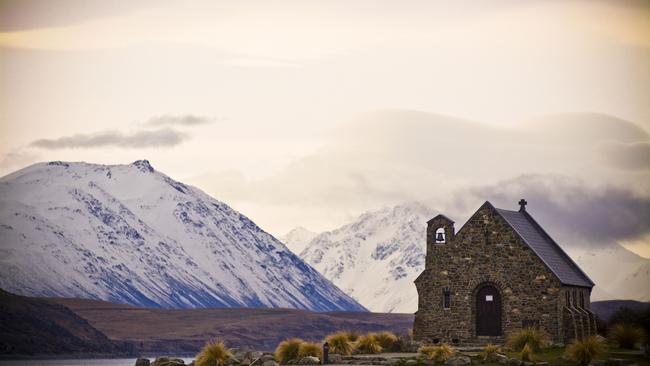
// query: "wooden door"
[[488, 311]]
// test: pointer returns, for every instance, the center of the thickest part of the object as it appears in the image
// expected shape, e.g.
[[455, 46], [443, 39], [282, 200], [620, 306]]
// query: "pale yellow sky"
[[310, 113]]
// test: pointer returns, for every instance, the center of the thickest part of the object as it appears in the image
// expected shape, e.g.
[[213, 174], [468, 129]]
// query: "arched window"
[[446, 299], [440, 235]]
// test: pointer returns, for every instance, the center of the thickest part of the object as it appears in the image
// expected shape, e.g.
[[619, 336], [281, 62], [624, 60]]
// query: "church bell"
[[440, 237]]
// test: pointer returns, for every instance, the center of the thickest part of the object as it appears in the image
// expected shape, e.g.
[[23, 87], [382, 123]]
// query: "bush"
[[288, 350], [310, 349], [213, 354], [626, 335], [439, 353], [367, 344], [339, 343], [535, 338], [386, 340], [584, 351], [527, 353], [489, 350]]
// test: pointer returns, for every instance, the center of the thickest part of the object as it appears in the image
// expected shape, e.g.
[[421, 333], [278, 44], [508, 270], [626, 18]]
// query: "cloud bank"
[[580, 214], [142, 139], [180, 120]]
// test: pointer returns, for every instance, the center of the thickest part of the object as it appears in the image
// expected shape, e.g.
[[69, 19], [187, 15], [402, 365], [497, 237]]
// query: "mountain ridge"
[[130, 234]]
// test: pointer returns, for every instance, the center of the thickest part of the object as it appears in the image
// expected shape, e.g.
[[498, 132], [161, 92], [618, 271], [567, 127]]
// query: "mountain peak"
[[143, 165], [108, 232]]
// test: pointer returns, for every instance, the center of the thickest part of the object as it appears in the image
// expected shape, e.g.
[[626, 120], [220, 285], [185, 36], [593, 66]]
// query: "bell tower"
[[440, 231]]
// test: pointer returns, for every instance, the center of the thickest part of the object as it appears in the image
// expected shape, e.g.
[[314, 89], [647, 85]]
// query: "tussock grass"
[[340, 343], [489, 350], [367, 344], [584, 351], [386, 340], [213, 354], [535, 338], [439, 353], [310, 349], [626, 335], [288, 350], [527, 353], [353, 335]]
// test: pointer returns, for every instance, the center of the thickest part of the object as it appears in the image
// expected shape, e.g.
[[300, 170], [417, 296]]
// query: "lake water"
[[79, 362]]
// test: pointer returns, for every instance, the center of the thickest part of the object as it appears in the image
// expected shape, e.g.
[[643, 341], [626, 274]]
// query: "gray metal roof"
[[546, 248]]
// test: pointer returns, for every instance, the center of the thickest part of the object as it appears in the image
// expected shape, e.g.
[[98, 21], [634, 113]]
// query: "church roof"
[[546, 248]]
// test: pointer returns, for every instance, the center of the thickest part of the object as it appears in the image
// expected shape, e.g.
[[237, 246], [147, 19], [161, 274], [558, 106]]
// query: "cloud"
[[578, 213], [180, 120], [142, 139], [392, 156], [633, 156]]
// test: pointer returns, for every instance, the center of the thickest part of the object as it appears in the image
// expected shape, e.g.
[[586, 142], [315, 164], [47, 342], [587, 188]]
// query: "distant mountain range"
[[130, 234], [376, 258]]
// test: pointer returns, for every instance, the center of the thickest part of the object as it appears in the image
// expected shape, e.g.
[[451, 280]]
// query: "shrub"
[[310, 349], [437, 353], [386, 340], [626, 335], [584, 351], [489, 350], [213, 354], [367, 344], [288, 350], [535, 338], [527, 353]]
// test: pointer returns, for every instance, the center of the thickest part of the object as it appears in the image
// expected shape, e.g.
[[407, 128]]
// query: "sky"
[[310, 113]]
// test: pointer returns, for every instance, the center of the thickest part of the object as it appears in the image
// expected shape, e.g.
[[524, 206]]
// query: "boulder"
[[166, 361], [529, 363], [514, 362], [411, 362], [267, 357], [309, 360], [335, 358], [497, 357], [257, 362], [458, 361], [543, 364], [142, 362], [270, 363]]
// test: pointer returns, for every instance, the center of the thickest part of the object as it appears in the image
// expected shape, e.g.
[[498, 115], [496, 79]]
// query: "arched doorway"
[[488, 311]]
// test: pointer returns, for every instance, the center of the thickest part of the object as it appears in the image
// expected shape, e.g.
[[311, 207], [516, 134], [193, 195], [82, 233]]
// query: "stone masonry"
[[488, 251]]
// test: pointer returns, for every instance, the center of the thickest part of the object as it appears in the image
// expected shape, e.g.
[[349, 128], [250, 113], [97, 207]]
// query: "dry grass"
[[288, 350], [536, 339], [339, 342], [213, 354], [584, 351], [488, 350], [352, 335], [437, 353], [310, 349], [367, 344], [527, 353], [386, 340], [626, 335]]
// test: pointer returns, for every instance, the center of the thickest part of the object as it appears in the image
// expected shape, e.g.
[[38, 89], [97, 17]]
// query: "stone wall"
[[485, 250]]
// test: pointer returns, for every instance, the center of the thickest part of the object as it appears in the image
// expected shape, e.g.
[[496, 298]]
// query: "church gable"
[[500, 272]]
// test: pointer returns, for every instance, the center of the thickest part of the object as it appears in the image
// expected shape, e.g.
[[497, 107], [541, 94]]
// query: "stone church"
[[499, 273]]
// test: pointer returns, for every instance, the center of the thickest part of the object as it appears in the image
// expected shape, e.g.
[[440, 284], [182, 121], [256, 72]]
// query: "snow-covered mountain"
[[297, 239], [617, 272], [376, 258], [130, 234]]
